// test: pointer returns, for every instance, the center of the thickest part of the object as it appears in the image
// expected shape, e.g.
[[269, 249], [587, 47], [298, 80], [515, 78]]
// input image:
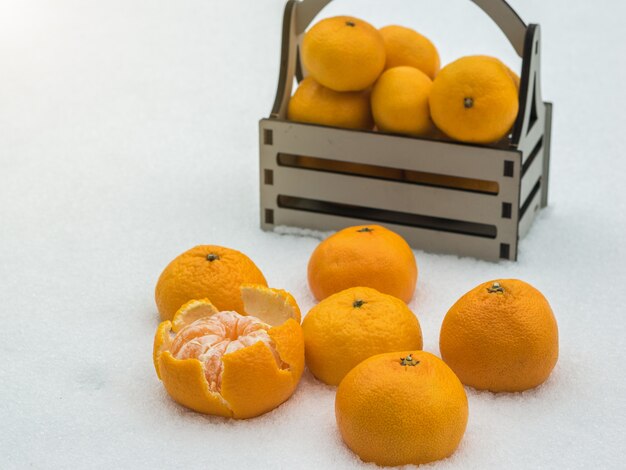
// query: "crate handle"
[[498, 10]]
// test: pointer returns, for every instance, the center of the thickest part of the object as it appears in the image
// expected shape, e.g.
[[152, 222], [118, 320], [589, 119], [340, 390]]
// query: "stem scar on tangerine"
[[212, 257], [408, 361], [358, 303], [495, 288]]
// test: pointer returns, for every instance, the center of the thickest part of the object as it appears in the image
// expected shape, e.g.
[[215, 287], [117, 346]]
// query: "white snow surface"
[[128, 134]]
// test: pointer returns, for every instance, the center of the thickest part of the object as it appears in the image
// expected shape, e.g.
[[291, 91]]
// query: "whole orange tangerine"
[[363, 255], [401, 408], [343, 53], [474, 99], [405, 46], [352, 325], [400, 102], [210, 271], [501, 336]]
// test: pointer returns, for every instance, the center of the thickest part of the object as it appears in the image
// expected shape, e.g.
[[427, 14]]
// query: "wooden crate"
[[441, 196]]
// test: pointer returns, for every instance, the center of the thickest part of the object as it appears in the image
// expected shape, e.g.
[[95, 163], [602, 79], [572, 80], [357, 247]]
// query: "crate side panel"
[[507, 228], [267, 162]]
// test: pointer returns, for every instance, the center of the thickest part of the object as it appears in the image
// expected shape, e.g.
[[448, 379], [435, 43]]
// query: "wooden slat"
[[446, 158], [531, 176], [388, 195], [528, 217]]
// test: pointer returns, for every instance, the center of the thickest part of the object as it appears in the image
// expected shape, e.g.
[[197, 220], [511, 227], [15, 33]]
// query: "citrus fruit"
[[363, 255], [500, 336], [317, 104], [404, 46], [208, 271], [343, 53], [474, 99], [227, 364], [352, 325], [401, 408], [514, 77], [400, 101]]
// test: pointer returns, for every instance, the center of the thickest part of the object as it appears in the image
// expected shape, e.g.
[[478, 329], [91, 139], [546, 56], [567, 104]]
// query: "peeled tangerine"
[[228, 364]]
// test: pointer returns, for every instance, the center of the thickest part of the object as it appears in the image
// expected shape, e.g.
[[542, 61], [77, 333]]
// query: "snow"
[[128, 134]]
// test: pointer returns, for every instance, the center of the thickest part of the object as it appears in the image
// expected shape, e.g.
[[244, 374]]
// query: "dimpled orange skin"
[[400, 102], [363, 255], [316, 104], [350, 326], [512, 74], [192, 275], [502, 342], [343, 53], [252, 383], [404, 46], [474, 99], [393, 414]]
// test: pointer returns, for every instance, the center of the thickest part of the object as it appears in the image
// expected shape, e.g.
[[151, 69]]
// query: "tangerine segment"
[[273, 306]]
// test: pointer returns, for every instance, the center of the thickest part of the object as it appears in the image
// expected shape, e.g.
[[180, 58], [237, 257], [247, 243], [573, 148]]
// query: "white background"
[[128, 134]]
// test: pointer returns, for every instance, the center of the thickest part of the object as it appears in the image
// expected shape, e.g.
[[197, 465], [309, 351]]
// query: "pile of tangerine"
[[230, 346]]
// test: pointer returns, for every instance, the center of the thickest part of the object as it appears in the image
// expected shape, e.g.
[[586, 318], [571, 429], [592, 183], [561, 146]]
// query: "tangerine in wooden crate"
[[442, 196]]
